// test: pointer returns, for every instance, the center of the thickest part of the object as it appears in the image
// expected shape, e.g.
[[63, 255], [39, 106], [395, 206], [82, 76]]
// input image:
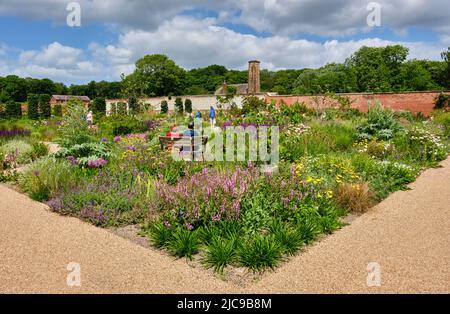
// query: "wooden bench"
[[179, 143]]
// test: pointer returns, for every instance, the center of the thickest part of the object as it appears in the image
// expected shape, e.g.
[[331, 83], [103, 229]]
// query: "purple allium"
[[72, 160], [117, 139], [104, 140], [97, 163]]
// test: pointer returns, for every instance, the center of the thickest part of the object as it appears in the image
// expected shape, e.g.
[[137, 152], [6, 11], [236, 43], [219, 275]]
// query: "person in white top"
[[90, 118]]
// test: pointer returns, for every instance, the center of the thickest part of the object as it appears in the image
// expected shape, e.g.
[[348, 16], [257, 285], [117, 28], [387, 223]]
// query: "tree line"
[[370, 69]]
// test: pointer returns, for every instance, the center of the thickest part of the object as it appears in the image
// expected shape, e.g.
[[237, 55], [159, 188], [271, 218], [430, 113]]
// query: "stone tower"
[[254, 82]]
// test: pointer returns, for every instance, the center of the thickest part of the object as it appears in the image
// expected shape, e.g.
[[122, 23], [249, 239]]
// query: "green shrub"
[[159, 234], [45, 109], [133, 104], [188, 105], [74, 129], [381, 123], [164, 107], [99, 107], [220, 252], [288, 238], [184, 243], [13, 110], [49, 174], [57, 110], [122, 108], [260, 252], [22, 151], [33, 107], [179, 105]]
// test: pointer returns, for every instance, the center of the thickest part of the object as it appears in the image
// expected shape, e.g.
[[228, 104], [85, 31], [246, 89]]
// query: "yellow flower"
[[329, 194]]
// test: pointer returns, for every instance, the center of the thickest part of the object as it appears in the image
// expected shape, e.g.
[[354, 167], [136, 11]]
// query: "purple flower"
[[72, 160], [55, 204], [97, 163], [189, 226], [117, 139], [167, 224], [104, 140]]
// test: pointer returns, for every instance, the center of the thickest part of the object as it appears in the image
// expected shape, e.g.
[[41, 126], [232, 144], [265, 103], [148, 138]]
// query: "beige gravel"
[[408, 235]]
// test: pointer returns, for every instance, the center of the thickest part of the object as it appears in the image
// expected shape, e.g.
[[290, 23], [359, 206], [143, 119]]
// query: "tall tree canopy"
[[155, 75]]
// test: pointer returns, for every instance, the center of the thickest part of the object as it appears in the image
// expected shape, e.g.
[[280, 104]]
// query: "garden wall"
[[202, 102], [412, 101]]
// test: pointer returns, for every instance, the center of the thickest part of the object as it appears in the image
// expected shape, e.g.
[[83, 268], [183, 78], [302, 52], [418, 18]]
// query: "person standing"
[[198, 115], [212, 116], [90, 118]]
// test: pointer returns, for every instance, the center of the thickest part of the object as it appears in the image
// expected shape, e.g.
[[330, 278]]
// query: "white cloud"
[[280, 17], [57, 62], [196, 43]]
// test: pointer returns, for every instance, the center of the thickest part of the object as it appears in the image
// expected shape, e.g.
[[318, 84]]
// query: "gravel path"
[[408, 235]]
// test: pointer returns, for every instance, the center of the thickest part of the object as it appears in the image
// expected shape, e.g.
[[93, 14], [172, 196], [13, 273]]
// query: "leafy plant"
[[184, 243], [220, 252], [260, 252], [381, 124], [288, 237]]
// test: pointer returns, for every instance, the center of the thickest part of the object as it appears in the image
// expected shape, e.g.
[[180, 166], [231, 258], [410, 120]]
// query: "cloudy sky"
[[36, 41]]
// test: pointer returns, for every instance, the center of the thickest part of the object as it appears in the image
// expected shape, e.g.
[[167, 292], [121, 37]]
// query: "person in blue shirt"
[[198, 115], [212, 116]]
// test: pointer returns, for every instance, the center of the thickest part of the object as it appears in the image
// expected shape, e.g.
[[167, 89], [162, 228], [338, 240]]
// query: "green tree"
[[179, 105], [164, 106], [378, 69], [122, 108], [13, 110], [45, 109], [415, 77], [188, 105], [99, 107], [155, 75], [133, 105], [57, 110], [33, 107]]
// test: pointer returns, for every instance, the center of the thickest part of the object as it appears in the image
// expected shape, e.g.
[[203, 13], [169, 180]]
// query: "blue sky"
[[36, 41]]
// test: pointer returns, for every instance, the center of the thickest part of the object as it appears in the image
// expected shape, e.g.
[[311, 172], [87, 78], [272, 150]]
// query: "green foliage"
[[220, 253], [57, 110], [188, 105], [13, 110], [33, 107], [184, 243], [381, 124], [121, 108], [121, 125], [20, 149], [159, 234], [47, 176], [179, 105], [164, 107], [133, 104], [287, 236], [85, 152], [442, 102], [99, 107], [155, 75], [260, 252], [45, 109], [74, 129], [252, 104]]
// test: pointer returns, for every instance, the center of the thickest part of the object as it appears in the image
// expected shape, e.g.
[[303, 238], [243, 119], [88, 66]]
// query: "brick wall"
[[413, 101]]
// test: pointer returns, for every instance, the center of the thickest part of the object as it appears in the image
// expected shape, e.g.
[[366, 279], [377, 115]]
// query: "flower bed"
[[332, 162]]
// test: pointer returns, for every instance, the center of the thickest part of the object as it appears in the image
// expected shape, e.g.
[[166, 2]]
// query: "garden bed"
[[231, 217]]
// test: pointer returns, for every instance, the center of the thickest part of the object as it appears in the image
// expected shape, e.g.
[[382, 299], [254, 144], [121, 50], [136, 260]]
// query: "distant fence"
[[416, 102]]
